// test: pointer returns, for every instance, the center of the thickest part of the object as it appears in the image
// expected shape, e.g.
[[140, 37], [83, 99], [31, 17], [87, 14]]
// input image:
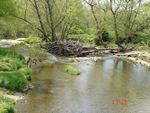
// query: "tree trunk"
[[116, 29], [96, 21], [40, 21], [53, 32]]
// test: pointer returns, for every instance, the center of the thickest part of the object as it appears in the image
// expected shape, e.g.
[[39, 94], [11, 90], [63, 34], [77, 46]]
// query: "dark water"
[[99, 84]]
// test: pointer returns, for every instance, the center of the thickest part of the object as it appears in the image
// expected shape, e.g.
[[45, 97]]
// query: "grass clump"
[[26, 72], [72, 70], [10, 64], [14, 81], [6, 105], [13, 71]]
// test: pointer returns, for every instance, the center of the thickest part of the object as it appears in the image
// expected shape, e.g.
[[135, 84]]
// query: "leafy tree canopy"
[[7, 7]]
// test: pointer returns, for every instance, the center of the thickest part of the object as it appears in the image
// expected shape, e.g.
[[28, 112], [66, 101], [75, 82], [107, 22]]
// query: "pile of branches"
[[65, 48], [74, 48]]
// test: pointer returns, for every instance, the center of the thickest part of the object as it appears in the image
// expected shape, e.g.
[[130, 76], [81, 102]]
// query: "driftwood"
[[74, 48]]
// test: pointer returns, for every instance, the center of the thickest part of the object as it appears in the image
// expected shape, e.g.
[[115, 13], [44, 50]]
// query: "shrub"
[[139, 37], [31, 40], [80, 30], [97, 41], [105, 36], [85, 38], [71, 70], [103, 40]]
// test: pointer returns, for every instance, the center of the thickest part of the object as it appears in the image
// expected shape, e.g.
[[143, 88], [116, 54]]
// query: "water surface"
[[93, 91]]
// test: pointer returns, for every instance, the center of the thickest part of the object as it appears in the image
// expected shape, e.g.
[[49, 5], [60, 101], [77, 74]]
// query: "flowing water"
[[100, 85]]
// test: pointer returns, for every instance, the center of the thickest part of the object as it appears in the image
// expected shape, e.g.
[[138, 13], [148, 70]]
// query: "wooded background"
[[99, 21]]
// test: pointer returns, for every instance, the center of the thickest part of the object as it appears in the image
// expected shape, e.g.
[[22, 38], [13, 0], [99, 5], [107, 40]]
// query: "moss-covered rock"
[[72, 70]]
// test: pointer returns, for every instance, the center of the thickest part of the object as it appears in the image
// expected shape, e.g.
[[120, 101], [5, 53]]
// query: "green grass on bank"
[[13, 70], [14, 81], [6, 105]]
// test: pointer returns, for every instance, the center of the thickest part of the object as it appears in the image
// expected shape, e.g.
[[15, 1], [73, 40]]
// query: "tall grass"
[[14, 81], [13, 70]]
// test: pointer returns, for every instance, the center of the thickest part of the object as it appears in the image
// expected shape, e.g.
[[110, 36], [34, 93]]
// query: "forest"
[[99, 22], [39, 35]]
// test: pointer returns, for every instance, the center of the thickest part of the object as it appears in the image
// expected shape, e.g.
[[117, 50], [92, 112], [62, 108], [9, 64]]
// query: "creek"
[[100, 84]]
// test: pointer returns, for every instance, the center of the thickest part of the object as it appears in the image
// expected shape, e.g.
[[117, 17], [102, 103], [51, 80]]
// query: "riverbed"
[[100, 83]]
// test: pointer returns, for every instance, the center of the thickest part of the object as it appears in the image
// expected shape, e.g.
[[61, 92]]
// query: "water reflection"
[[100, 82]]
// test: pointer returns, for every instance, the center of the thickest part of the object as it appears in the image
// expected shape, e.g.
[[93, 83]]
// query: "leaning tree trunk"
[[40, 21]]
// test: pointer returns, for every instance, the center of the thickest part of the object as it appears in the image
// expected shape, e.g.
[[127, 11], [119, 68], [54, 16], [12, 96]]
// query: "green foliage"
[[10, 64], [14, 81], [72, 70], [31, 40], [111, 36], [9, 53], [80, 30], [85, 38], [13, 71], [105, 36], [6, 105], [26, 72], [139, 37], [7, 7]]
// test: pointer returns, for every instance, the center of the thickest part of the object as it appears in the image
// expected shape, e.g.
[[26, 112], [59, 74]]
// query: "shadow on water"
[[93, 91]]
